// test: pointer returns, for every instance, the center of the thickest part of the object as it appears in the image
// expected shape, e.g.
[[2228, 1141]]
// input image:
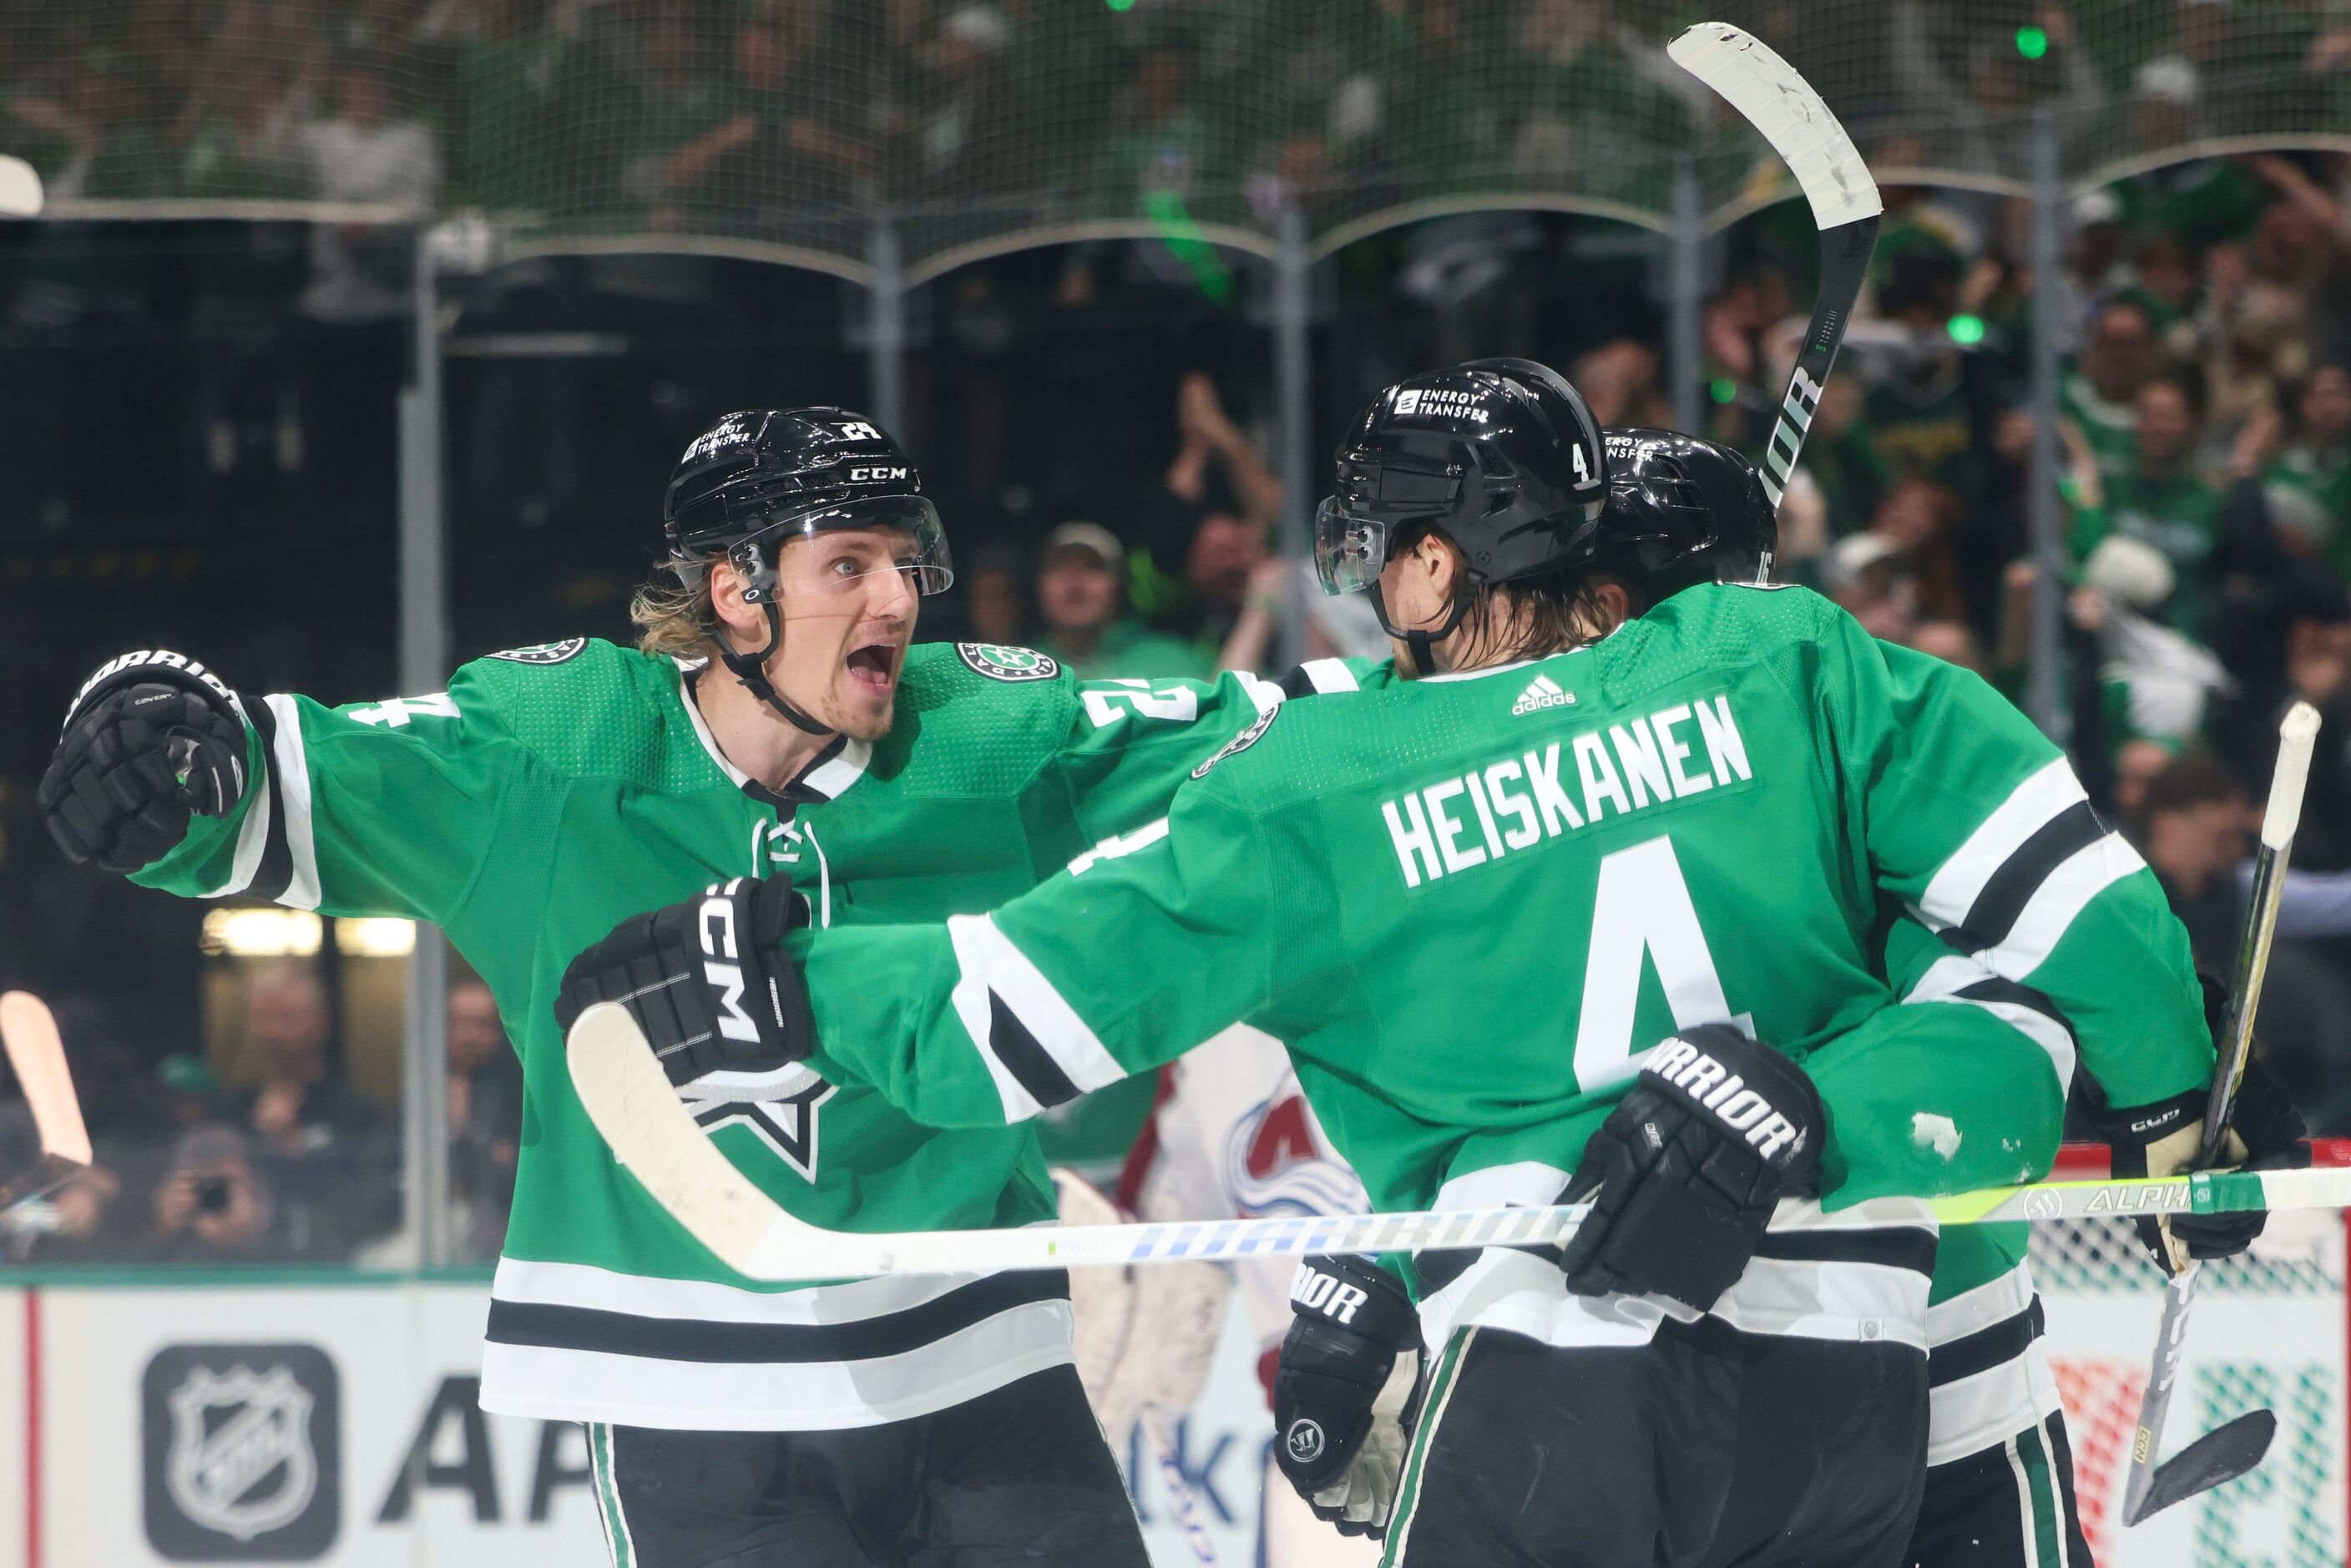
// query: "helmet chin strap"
[[1422, 643], [751, 669]]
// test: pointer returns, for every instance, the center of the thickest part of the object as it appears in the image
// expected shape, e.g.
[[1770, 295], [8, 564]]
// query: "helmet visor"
[[1350, 547], [928, 563]]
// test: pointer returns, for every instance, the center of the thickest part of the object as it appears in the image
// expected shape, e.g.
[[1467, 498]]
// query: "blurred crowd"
[[1095, 417]]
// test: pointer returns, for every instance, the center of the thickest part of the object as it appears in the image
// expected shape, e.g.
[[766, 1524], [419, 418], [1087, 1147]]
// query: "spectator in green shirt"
[[2100, 394], [2162, 500], [2307, 486], [1082, 611]]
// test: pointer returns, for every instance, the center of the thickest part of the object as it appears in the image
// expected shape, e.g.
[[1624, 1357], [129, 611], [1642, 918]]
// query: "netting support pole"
[[1293, 320], [424, 667], [1688, 296], [887, 331], [2044, 685]]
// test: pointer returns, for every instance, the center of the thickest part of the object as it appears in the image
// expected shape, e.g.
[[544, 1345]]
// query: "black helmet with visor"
[[759, 479], [1502, 454]]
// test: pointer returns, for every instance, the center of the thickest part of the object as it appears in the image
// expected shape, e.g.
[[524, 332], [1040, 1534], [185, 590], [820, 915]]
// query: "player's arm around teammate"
[[1272, 892]]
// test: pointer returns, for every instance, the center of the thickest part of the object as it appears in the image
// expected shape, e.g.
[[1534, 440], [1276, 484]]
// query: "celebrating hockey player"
[[1590, 907], [2000, 1479], [552, 790]]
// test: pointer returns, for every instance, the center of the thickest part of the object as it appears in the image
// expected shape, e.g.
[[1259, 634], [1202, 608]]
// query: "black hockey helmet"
[[759, 478], [1681, 511], [1502, 453]]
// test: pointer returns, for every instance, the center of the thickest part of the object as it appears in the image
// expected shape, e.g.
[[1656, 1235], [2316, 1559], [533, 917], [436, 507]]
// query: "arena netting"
[[798, 129]]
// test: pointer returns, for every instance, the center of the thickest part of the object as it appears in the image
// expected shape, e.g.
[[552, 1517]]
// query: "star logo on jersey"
[[786, 1126], [1001, 662], [544, 652], [1542, 692]]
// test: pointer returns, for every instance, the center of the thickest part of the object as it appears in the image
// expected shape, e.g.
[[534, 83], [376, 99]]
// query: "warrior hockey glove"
[[709, 981], [1685, 1173], [151, 738], [2265, 1134], [1343, 1390]]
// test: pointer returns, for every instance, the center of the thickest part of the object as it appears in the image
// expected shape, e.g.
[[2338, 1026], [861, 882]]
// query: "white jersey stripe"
[[1950, 976], [986, 954], [559, 1385], [291, 763], [1953, 890], [641, 1295], [1970, 1414], [1995, 1300], [1328, 675], [253, 833], [973, 1005], [2050, 913]]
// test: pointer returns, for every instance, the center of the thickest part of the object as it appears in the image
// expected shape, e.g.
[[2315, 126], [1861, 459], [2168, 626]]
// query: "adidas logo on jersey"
[[1542, 692]]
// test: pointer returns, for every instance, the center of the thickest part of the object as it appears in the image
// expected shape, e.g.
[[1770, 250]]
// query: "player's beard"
[[856, 705]]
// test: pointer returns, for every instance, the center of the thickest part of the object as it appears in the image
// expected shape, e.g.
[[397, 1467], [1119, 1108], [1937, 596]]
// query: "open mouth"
[[875, 667]]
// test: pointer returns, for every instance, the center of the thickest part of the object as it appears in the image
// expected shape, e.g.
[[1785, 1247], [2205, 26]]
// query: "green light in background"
[[1967, 331], [1120, 4], [1181, 234], [2031, 42], [1722, 389]]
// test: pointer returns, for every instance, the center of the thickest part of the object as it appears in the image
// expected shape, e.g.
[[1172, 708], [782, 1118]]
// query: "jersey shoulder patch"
[[1000, 662], [544, 652], [1243, 741]]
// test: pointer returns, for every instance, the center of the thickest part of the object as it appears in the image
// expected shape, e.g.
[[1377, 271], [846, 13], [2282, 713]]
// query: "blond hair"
[[673, 619]]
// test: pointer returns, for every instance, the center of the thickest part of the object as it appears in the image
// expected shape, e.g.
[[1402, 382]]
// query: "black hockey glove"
[[722, 1006], [1343, 1390], [151, 738], [2265, 1132], [1685, 1173]]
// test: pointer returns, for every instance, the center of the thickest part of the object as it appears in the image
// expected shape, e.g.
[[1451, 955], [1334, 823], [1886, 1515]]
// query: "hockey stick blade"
[[1781, 106], [2216, 1458], [628, 1097], [20, 189]]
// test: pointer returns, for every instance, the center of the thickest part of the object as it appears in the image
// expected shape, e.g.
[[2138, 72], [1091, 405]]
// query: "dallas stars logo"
[[999, 662]]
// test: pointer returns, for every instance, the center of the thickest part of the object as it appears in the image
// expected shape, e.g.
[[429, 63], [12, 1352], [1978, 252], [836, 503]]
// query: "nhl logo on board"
[[544, 652], [1303, 1440], [243, 1453], [999, 662]]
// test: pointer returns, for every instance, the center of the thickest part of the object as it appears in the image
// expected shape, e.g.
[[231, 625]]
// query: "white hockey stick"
[[20, 189], [1783, 107], [654, 1138], [2142, 1494], [29, 1034]]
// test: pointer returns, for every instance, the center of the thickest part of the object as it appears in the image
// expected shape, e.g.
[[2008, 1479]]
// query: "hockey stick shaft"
[[1786, 111], [2297, 738], [1156, 1431], [20, 189], [630, 1100], [29, 1034]]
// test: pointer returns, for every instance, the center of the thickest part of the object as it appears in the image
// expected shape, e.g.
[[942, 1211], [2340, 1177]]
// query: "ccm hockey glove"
[[151, 738], [709, 981], [1342, 1389], [2265, 1134], [1684, 1173]]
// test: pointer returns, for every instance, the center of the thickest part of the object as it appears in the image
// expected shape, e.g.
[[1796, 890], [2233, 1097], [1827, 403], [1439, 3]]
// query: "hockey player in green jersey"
[[550, 792], [1999, 1485], [1522, 920]]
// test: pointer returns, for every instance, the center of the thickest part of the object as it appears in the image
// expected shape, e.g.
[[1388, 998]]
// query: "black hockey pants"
[[1704, 1448], [1018, 1475]]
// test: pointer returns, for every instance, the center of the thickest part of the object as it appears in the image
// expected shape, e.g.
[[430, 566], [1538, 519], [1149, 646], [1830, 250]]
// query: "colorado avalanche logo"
[[1277, 1162]]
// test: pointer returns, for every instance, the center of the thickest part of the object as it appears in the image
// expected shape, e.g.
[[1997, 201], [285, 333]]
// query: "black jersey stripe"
[[1994, 989], [1893, 1246], [274, 874], [1987, 1347], [2007, 890], [704, 1340], [1011, 1042], [1296, 682]]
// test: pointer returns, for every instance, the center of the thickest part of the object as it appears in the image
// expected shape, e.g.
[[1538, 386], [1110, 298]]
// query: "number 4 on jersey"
[[1643, 910]]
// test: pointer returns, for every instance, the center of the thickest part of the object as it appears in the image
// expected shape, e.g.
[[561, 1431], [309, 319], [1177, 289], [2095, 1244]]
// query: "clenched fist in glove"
[[1343, 1388], [151, 736], [1685, 1173], [720, 1003], [2265, 1132]]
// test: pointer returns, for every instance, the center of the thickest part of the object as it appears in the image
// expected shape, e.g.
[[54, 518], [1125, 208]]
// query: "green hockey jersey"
[[552, 791], [1467, 904]]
